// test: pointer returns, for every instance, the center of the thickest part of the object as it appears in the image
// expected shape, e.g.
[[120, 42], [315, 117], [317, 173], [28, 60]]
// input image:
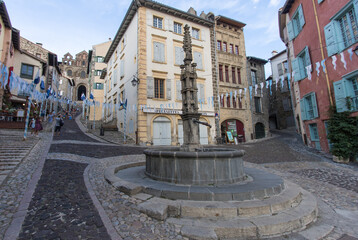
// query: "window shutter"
[[340, 96], [201, 92], [169, 89], [179, 55], [314, 105], [307, 56], [355, 4], [303, 109], [150, 87], [122, 67], [331, 41], [291, 33], [301, 17], [162, 52], [178, 90], [319, 1], [296, 69], [198, 60], [156, 51], [280, 69]]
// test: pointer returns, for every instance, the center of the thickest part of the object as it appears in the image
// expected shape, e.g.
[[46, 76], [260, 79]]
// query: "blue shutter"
[[296, 69], [169, 89], [340, 96], [331, 41], [314, 105], [303, 109], [355, 3], [301, 17], [291, 34]]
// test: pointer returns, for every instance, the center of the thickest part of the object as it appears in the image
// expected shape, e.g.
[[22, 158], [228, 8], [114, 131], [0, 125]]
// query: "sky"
[[74, 25]]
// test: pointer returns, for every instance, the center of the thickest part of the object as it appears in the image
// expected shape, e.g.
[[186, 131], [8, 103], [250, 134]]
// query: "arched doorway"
[[162, 131], [81, 89], [236, 127], [259, 130]]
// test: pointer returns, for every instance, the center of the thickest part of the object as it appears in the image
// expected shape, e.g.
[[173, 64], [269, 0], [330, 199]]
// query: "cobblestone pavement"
[[78, 157]]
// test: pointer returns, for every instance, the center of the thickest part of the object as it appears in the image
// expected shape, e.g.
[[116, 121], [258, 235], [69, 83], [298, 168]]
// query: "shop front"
[[232, 130]]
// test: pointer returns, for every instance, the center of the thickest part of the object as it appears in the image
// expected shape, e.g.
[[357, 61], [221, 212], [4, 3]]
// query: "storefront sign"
[[173, 111]]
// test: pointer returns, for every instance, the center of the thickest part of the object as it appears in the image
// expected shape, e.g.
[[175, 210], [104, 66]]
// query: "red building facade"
[[323, 35]]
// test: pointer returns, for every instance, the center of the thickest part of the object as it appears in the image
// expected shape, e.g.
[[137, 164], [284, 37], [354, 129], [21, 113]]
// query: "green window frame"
[[308, 106], [342, 31], [347, 90], [295, 26], [27, 71], [300, 63], [98, 85]]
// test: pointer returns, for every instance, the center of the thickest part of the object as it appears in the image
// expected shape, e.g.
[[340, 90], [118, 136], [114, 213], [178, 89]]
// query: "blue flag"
[[37, 77]]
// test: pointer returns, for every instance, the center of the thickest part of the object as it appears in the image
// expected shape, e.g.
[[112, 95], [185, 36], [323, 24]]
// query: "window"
[[238, 76], [157, 22], [231, 48], [233, 71], [257, 104], [279, 69], [240, 103], [224, 47], [98, 86], [228, 101], [236, 50], [179, 55], [222, 102], [198, 59], [314, 135], [159, 88], [308, 106], [83, 63], [195, 33], [99, 59], [286, 103], [69, 73], [27, 71], [295, 26], [219, 47], [83, 74], [342, 31], [346, 90], [221, 76], [177, 28], [115, 77], [285, 65], [227, 74], [97, 72], [234, 102], [299, 64], [122, 68], [159, 54], [253, 77]]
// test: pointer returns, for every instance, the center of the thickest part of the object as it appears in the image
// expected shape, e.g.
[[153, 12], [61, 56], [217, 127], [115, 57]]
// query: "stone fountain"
[[207, 191]]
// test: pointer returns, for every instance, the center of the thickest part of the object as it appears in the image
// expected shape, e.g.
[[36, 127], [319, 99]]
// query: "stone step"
[[290, 197], [7, 167], [7, 163], [285, 222]]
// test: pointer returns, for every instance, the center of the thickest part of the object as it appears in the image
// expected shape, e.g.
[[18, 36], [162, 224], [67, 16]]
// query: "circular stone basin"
[[208, 166]]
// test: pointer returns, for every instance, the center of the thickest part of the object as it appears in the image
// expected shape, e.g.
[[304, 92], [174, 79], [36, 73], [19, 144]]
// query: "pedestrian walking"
[[38, 125], [58, 124], [50, 117]]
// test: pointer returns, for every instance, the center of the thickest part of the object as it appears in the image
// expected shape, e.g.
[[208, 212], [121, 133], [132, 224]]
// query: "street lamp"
[[135, 81]]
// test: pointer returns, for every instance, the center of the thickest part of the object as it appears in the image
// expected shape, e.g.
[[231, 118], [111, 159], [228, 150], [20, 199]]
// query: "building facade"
[[280, 102], [96, 67], [235, 112], [144, 69], [258, 97], [321, 36], [76, 69]]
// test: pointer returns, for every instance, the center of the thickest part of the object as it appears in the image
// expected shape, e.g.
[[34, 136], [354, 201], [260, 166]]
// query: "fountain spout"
[[203, 123]]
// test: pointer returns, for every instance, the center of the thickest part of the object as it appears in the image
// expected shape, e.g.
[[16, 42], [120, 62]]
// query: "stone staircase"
[[290, 211]]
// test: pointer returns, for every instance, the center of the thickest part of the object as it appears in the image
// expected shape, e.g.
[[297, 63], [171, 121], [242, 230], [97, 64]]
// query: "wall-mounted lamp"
[[135, 81], [356, 50]]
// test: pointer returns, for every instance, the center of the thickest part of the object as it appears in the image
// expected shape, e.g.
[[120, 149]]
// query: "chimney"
[[109, 39], [192, 11], [274, 52], [203, 15], [40, 44]]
